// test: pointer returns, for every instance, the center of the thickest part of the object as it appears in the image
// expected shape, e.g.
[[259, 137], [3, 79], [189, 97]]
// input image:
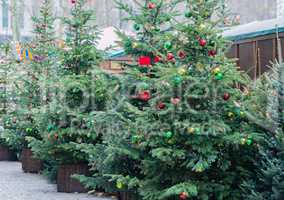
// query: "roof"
[[254, 29]]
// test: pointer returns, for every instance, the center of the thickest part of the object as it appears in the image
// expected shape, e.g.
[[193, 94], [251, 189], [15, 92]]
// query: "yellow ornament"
[[200, 66], [202, 26], [216, 70], [242, 114], [119, 185], [230, 114], [182, 71], [191, 130], [243, 141], [135, 45], [199, 169]]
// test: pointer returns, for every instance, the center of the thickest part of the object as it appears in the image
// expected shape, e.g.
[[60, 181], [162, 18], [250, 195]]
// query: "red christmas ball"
[[144, 96], [183, 196], [73, 1], [202, 42], [157, 59], [161, 106], [181, 54], [226, 96], [144, 61], [151, 5], [170, 56], [212, 53]]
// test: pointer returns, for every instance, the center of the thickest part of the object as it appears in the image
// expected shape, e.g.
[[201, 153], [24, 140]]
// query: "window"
[[5, 14]]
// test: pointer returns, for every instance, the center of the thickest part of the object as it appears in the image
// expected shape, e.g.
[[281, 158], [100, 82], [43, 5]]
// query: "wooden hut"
[[255, 45]]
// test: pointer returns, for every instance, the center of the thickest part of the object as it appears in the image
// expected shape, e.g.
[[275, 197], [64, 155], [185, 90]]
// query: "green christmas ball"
[[168, 45], [219, 76], [29, 130], [137, 27], [249, 141], [135, 138], [188, 14], [177, 80], [168, 134], [50, 127]]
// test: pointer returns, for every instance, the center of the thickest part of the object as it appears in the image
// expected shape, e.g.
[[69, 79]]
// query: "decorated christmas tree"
[[188, 138], [151, 21]]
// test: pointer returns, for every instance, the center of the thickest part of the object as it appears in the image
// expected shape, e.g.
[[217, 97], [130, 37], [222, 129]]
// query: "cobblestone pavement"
[[15, 185]]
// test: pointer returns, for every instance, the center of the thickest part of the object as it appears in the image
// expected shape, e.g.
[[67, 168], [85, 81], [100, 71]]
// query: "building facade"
[[109, 15]]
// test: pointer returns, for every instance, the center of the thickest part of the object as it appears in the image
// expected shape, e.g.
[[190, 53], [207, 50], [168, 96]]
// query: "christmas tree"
[[189, 138], [151, 21], [77, 90]]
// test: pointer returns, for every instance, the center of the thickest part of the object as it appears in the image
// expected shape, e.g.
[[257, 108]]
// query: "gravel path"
[[15, 185]]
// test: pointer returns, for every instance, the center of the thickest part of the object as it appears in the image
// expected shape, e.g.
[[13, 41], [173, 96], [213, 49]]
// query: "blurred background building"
[[108, 15]]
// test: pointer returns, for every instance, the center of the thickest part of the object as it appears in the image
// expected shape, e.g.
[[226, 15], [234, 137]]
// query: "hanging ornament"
[[226, 96], [136, 139], [151, 5], [73, 1], [137, 27], [182, 71], [29, 130], [168, 134], [202, 27], [181, 54], [144, 96], [231, 115], [191, 130], [249, 141], [212, 53], [157, 59], [177, 80], [168, 45], [219, 76], [188, 14], [119, 185], [161, 105], [202, 42], [175, 101], [170, 56], [134, 45], [144, 61], [216, 70], [243, 141], [183, 196]]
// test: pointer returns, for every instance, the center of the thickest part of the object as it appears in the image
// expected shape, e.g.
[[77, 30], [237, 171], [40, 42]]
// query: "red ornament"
[[175, 101], [151, 5], [183, 196], [202, 42], [170, 56], [226, 96], [144, 60], [144, 96], [212, 53], [181, 54], [161, 106], [157, 59], [73, 1]]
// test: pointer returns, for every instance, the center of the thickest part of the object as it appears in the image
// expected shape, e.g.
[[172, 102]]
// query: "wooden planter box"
[[65, 182], [127, 196], [30, 164], [6, 154]]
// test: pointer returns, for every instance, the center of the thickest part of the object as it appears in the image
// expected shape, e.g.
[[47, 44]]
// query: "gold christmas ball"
[[243, 141], [230, 114], [216, 70], [182, 71], [135, 45], [191, 130]]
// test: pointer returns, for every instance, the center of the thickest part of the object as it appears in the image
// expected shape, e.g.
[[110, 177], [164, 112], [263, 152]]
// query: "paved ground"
[[15, 185]]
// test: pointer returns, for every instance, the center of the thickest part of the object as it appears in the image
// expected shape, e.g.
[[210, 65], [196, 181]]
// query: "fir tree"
[[188, 140]]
